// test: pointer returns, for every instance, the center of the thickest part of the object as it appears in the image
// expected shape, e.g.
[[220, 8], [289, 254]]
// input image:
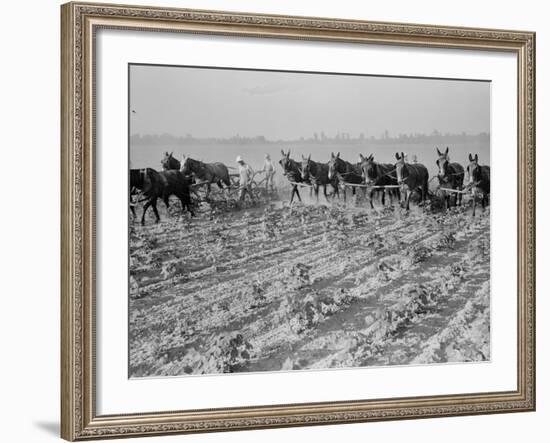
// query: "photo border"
[[80, 21]]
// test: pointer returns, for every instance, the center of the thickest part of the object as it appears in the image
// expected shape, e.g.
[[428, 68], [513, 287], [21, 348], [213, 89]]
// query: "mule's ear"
[[438, 151], [470, 157], [402, 155], [397, 155], [171, 153], [476, 158], [371, 157], [338, 155], [361, 157], [309, 157], [332, 155], [447, 151], [283, 153]]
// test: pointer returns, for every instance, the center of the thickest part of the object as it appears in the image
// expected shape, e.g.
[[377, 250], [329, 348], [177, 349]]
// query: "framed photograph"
[[282, 221]]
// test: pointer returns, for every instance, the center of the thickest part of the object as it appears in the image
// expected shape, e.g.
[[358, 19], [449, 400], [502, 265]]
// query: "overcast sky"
[[282, 105]]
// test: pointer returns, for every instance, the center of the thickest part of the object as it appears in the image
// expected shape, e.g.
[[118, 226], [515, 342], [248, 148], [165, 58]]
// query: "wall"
[[29, 221]]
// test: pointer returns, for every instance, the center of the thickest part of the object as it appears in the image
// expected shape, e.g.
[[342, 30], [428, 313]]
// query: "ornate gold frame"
[[79, 21]]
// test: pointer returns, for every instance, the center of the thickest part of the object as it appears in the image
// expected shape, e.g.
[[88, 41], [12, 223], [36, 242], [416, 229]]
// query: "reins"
[[387, 174]]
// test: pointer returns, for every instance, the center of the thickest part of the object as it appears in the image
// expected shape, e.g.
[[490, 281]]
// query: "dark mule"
[[155, 185], [207, 172], [479, 182], [345, 172], [291, 170], [317, 174], [451, 175], [170, 162], [379, 174], [411, 177]]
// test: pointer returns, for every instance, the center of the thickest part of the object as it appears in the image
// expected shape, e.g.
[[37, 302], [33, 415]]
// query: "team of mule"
[[399, 180]]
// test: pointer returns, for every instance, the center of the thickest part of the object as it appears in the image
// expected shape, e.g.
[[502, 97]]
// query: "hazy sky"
[[282, 105]]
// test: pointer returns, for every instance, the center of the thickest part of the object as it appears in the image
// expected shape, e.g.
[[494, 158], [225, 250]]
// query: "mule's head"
[[368, 169], [334, 164], [166, 161], [400, 168], [306, 167], [186, 165], [474, 171], [285, 161], [442, 162]]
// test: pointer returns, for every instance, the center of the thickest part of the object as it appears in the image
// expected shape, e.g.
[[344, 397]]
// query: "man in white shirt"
[[269, 169], [245, 178]]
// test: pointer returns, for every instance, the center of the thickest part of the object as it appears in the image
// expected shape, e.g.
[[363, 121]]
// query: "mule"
[[379, 174], [208, 172], [291, 170], [345, 172], [170, 162], [317, 174], [411, 177], [155, 185], [479, 182], [450, 175]]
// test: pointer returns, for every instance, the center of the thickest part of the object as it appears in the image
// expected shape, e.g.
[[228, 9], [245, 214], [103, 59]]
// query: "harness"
[[341, 175], [387, 174], [292, 171]]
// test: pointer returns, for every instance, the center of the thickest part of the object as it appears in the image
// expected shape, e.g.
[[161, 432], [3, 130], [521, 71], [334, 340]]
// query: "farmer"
[[245, 178], [269, 169]]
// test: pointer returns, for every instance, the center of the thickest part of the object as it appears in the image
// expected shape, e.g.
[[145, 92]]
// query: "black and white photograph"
[[283, 221]]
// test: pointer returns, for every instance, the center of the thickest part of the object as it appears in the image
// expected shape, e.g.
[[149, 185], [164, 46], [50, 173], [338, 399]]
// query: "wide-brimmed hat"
[[239, 159]]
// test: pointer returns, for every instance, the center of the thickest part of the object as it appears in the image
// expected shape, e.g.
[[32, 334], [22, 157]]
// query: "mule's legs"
[[183, 204], [152, 202], [186, 204], [408, 195], [154, 205], [189, 207], [295, 191], [325, 193], [298, 194], [370, 198], [424, 193], [145, 207]]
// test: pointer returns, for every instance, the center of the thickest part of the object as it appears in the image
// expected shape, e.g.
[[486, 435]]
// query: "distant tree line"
[[435, 137]]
